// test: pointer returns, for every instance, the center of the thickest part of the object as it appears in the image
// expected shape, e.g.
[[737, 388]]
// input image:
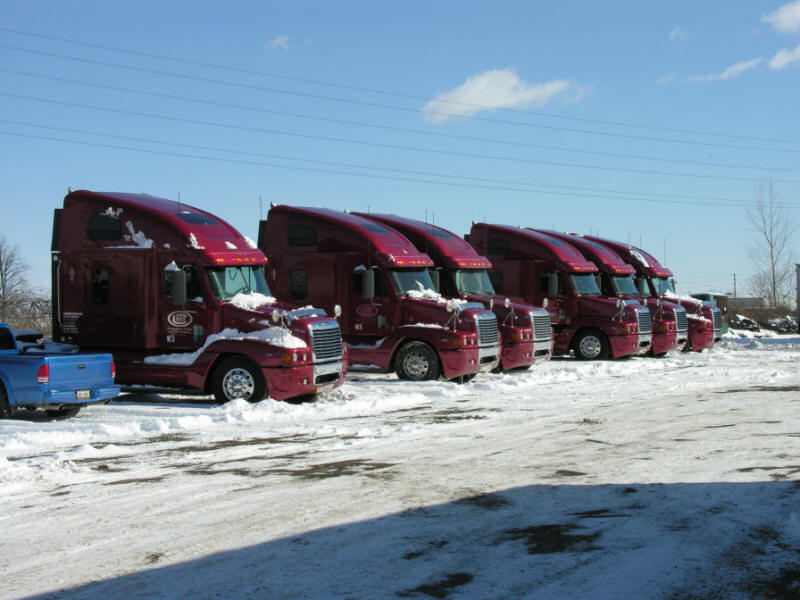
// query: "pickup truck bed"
[[31, 377]]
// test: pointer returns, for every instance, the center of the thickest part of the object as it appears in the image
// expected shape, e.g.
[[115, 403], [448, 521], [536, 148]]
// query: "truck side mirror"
[[178, 287], [435, 278], [552, 284], [368, 284]]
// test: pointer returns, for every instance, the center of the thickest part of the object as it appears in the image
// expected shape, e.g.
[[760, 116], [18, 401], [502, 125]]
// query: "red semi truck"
[[525, 330], [543, 270], [705, 321], [669, 322], [392, 318], [179, 298]]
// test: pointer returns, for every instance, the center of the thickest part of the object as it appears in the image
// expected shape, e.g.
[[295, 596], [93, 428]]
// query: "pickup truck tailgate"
[[79, 371]]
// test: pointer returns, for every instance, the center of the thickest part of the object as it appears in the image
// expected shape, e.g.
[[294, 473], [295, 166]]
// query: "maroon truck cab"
[[617, 280], [542, 270], [704, 320], [525, 330], [180, 299], [392, 318]]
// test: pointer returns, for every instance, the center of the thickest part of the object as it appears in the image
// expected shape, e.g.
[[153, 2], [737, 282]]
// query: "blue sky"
[[646, 122]]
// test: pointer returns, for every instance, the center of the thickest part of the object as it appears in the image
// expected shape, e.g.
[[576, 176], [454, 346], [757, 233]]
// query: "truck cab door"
[[185, 326], [371, 317], [552, 287]]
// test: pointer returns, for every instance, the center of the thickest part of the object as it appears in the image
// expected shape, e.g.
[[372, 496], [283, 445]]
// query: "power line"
[[389, 127], [713, 200], [390, 146], [392, 93], [335, 172], [390, 106]]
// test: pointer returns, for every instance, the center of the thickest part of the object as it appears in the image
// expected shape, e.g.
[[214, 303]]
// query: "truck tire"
[[237, 377], [417, 361], [591, 344], [64, 412], [6, 410]]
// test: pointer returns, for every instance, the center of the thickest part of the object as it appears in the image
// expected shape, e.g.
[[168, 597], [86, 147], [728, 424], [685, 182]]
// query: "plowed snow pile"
[[641, 478]]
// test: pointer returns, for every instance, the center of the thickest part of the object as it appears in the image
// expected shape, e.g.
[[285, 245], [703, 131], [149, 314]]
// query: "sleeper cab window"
[[498, 247], [104, 227], [302, 235]]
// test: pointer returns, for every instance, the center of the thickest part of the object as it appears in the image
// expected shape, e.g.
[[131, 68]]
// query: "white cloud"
[[665, 79], [729, 73], [677, 34], [784, 58], [282, 42], [785, 19], [499, 88]]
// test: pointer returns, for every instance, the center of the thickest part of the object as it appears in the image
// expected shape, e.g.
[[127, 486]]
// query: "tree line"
[[21, 306]]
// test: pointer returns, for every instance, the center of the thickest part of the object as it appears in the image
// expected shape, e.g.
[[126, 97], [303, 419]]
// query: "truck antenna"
[[260, 209], [179, 200]]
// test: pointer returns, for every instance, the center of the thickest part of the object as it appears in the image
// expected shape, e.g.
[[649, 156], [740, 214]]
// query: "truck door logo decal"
[[179, 318], [367, 311]]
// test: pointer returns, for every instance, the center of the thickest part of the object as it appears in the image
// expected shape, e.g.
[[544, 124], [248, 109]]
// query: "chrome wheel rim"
[[416, 366], [238, 383], [590, 346]]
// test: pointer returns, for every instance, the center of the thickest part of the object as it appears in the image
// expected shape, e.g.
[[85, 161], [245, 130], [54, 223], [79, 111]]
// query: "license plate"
[[324, 388], [83, 394]]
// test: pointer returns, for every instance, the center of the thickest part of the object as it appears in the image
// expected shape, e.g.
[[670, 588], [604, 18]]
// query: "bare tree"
[[771, 253], [21, 307], [13, 286]]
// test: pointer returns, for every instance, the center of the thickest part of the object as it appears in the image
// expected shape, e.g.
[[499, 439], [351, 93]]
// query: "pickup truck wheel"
[[591, 344], [6, 410], [417, 361], [64, 412], [236, 378]]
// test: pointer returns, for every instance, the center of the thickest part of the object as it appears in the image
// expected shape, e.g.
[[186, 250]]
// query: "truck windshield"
[[624, 285], [663, 286], [585, 285], [407, 280], [226, 282], [474, 282]]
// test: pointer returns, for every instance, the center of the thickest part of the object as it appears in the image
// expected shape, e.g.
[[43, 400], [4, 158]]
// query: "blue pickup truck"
[[61, 383]]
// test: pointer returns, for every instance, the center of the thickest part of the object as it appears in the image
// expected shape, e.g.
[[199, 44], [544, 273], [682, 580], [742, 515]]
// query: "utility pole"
[[734, 285], [797, 294]]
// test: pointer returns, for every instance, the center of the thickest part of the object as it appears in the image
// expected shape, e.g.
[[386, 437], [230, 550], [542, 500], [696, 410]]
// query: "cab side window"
[[194, 287], [101, 286]]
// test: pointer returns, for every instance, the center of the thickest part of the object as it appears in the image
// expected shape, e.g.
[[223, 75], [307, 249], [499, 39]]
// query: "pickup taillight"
[[43, 374], [113, 370]]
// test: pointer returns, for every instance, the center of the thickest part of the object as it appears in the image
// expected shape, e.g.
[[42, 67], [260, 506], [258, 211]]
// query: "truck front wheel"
[[591, 344], [237, 377], [417, 361]]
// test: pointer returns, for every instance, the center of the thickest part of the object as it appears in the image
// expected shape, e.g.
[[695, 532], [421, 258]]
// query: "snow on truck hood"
[[277, 336], [251, 301]]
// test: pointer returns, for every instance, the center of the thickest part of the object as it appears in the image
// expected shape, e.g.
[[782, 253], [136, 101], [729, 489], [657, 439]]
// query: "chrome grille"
[[541, 326], [717, 319], [643, 317], [326, 340], [486, 324], [681, 322]]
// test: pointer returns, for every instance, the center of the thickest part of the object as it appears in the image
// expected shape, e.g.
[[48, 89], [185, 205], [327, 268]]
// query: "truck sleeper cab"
[[542, 270], [392, 318], [704, 322], [460, 272], [180, 299], [617, 280]]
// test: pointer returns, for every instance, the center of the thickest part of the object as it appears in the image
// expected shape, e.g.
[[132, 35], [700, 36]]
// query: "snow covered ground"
[[644, 478]]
